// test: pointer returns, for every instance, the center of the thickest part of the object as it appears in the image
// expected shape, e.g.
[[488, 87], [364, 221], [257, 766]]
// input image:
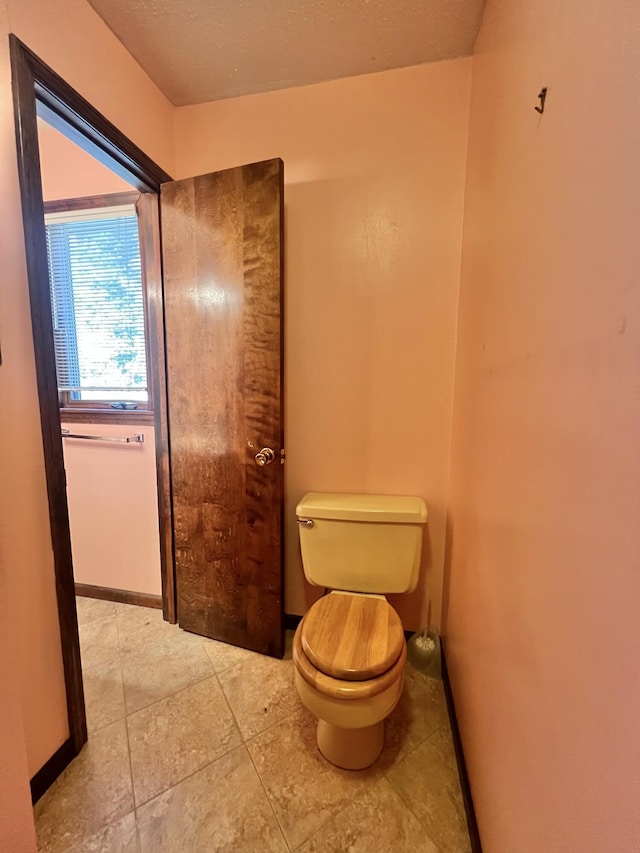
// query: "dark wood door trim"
[[149, 215], [123, 596], [35, 244], [36, 88], [66, 110]]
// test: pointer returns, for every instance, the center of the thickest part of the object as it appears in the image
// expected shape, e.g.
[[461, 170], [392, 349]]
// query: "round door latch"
[[265, 456]]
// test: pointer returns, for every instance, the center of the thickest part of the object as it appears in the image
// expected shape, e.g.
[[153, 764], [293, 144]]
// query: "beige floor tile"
[[261, 692], [103, 694], [179, 735], [427, 780], [223, 656], [422, 710], [220, 808], [304, 788], [121, 836], [377, 822], [141, 627], [98, 641], [161, 668], [89, 609], [182, 734], [94, 791], [120, 605]]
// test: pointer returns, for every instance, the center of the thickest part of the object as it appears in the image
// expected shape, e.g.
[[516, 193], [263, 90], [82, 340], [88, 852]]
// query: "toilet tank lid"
[[347, 507]]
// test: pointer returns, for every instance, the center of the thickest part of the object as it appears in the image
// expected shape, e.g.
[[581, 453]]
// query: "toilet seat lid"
[[352, 637]]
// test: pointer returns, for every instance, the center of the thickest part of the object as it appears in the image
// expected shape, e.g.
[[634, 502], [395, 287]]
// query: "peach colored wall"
[[77, 44], [82, 49], [113, 508], [374, 172], [69, 172], [17, 833], [543, 626]]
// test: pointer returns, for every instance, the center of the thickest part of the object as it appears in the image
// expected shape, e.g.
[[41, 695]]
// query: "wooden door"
[[222, 248]]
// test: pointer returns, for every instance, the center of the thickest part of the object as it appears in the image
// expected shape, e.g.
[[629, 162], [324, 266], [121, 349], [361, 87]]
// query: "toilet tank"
[[361, 543]]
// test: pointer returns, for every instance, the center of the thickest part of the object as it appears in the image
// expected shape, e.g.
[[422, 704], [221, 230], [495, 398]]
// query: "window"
[[97, 303]]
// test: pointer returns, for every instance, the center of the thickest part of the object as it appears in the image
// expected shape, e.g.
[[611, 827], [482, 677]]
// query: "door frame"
[[38, 90]]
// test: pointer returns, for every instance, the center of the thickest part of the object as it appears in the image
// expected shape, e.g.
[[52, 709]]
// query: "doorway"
[[100, 327], [38, 91], [223, 254]]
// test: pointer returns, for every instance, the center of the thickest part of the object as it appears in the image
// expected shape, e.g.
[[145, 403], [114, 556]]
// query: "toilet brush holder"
[[423, 652]]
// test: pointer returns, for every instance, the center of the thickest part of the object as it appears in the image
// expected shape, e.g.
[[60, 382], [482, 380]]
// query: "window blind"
[[97, 304]]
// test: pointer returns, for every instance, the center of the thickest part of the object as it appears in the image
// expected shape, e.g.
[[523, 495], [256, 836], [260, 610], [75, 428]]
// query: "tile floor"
[[197, 746]]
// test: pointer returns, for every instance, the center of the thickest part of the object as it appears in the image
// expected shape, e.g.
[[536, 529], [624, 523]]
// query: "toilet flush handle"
[[305, 522]]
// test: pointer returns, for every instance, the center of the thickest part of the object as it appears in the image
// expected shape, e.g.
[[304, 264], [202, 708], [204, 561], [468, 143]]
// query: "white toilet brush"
[[423, 650]]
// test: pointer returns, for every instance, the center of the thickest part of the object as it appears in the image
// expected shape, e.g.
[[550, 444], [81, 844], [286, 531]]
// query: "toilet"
[[349, 650]]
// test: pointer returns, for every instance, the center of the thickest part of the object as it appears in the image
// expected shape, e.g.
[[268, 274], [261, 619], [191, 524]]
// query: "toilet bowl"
[[349, 655], [349, 650]]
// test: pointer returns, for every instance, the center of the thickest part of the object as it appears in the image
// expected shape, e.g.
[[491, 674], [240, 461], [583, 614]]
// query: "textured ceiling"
[[204, 50]]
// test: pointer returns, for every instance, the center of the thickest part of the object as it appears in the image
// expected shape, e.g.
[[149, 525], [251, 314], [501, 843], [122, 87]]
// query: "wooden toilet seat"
[[350, 646], [352, 637]]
